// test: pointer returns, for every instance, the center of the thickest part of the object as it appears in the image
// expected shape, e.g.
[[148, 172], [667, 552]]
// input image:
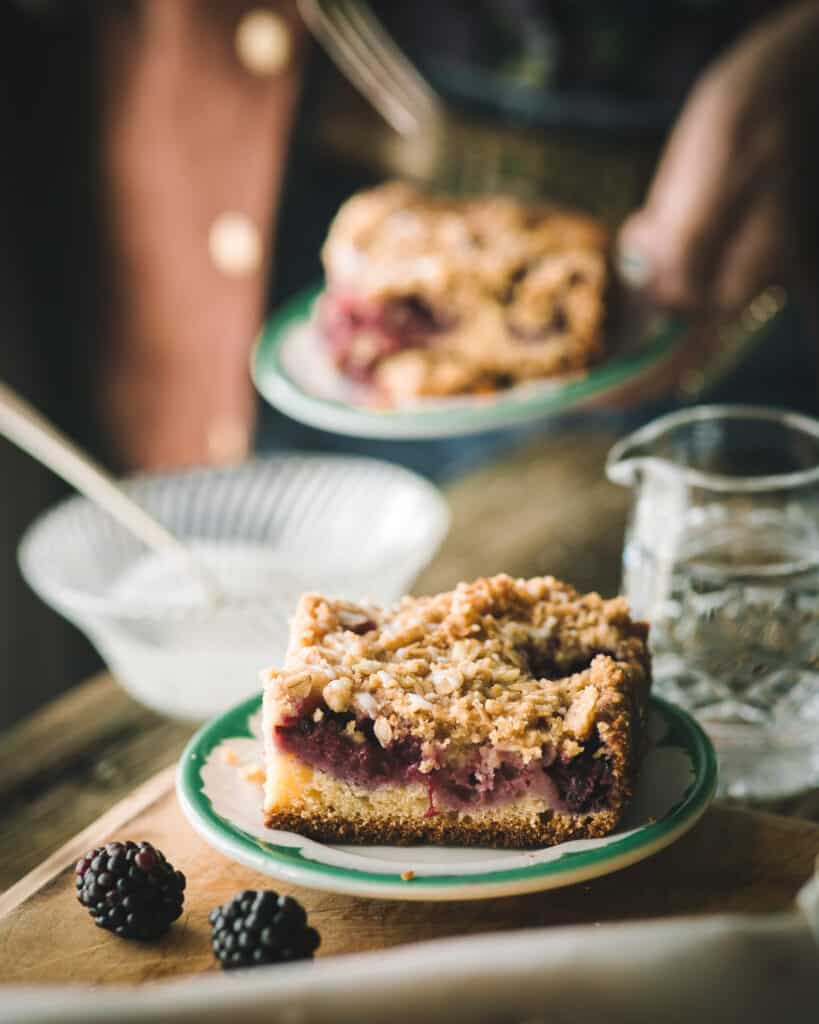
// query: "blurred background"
[[169, 168]]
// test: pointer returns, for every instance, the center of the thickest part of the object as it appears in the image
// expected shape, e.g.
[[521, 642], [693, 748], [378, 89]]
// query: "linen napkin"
[[728, 968]]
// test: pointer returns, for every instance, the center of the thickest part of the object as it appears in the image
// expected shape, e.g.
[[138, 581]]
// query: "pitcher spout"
[[631, 459]]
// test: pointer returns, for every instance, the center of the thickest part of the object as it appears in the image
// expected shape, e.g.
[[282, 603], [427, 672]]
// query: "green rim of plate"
[[281, 390], [681, 731]]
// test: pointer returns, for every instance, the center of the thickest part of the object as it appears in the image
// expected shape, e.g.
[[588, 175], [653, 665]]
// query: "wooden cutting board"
[[733, 860]]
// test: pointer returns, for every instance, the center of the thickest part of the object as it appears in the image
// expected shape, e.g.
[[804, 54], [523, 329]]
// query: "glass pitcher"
[[722, 557]]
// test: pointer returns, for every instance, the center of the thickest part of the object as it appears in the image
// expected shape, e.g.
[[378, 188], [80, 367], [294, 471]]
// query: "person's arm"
[[197, 103]]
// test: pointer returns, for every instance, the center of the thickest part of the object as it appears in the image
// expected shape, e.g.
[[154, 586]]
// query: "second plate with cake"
[[446, 315], [292, 371]]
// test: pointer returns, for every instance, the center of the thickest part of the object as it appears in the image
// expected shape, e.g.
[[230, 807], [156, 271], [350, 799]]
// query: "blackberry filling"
[[328, 746], [412, 320], [482, 780], [542, 664], [585, 782], [359, 333]]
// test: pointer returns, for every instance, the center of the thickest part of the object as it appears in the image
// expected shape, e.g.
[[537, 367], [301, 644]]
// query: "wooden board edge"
[[40, 745], [149, 793]]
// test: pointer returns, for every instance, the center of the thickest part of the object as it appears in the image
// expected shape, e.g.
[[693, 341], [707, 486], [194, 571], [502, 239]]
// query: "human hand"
[[730, 210]]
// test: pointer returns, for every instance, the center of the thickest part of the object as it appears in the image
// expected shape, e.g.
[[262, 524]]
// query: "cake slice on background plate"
[[507, 713], [431, 295]]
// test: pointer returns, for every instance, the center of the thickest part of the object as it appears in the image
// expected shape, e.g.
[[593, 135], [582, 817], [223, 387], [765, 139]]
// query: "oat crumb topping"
[[516, 663]]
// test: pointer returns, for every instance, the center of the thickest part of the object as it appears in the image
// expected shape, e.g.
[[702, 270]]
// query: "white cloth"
[[749, 969]]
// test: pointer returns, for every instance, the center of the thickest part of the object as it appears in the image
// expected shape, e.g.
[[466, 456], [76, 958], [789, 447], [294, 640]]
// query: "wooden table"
[[545, 508]]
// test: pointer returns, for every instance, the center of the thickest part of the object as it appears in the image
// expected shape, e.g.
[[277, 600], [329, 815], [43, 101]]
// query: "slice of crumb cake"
[[506, 712], [435, 295]]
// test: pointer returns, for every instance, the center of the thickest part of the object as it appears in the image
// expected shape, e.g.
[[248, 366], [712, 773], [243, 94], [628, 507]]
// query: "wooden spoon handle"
[[24, 426]]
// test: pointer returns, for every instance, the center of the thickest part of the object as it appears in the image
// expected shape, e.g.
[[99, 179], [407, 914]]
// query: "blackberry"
[[130, 889], [261, 928]]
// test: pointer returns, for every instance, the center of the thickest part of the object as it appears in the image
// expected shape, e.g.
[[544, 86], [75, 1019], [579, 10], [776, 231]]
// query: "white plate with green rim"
[[293, 372], [675, 787]]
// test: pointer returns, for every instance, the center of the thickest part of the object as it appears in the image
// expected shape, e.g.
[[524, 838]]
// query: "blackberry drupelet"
[[257, 928], [130, 889]]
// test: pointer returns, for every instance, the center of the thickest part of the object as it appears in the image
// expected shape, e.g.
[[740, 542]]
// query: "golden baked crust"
[[527, 668], [447, 829], [514, 290]]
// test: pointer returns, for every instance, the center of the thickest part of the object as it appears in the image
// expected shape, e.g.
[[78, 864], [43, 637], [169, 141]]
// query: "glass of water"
[[722, 557]]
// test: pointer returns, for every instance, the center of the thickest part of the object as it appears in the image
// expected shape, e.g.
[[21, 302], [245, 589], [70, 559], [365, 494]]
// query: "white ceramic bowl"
[[270, 529]]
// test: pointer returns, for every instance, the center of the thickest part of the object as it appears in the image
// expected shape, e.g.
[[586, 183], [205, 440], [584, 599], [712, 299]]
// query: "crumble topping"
[[528, 666], [395, 239], [435, 295]]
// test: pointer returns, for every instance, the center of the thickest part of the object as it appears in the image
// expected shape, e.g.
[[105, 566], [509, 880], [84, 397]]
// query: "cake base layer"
[[331, 810]]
